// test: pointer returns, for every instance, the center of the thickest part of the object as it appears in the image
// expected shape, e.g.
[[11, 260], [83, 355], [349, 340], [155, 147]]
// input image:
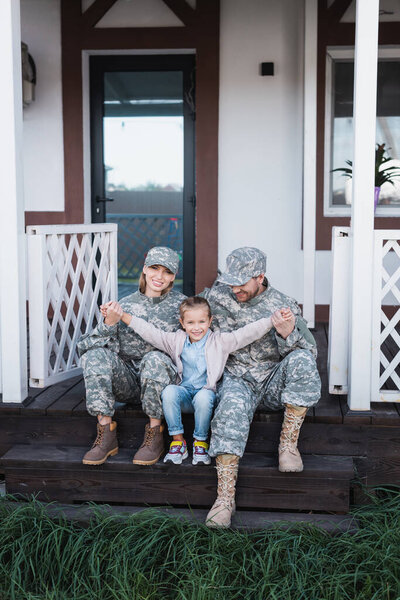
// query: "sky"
[[144, 149]]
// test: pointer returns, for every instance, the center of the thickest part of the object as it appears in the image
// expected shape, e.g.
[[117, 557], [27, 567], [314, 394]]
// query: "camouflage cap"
[[161, 255], [242, 264]]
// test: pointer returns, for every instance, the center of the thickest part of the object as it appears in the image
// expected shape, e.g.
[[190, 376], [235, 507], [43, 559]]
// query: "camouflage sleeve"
[[205, 293], [102, 335], [301, 337]]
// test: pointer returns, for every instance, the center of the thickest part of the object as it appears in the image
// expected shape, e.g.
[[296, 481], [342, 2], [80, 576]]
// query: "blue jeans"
[[177, 399]]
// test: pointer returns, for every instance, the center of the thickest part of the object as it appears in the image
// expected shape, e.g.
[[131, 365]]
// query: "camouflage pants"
[[109, 378], [295, 381]]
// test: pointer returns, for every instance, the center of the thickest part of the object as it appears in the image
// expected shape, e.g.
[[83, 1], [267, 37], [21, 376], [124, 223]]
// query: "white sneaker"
[[200, 453], [177, 452]]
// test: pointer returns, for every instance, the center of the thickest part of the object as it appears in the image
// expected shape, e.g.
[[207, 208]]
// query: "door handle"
[[98, 199]]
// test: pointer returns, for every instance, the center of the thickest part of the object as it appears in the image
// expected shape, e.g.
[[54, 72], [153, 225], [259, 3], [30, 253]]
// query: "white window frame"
[[343, 53]]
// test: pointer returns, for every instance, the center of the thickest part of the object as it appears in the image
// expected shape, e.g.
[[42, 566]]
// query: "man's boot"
[[152, 447], [221, 512], [289, 456], [105, 445]]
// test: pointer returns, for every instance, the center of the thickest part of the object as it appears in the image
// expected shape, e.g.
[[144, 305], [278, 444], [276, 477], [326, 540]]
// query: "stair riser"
[[315, 438], [152, 487]]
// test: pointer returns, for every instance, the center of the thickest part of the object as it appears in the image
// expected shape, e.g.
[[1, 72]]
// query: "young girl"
[[200, 356]]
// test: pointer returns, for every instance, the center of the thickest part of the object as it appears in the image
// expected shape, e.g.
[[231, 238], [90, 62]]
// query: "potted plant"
[[384, 173]]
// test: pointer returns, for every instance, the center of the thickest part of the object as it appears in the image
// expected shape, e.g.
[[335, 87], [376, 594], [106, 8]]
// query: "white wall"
[[42, 131], [260, 140], [260, 132]]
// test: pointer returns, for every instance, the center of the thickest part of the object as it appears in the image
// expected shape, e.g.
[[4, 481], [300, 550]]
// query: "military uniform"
[[271, 371], [118, 364]]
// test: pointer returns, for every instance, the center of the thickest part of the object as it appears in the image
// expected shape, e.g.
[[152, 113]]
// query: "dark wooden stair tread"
[[61, 456], [249, 520]]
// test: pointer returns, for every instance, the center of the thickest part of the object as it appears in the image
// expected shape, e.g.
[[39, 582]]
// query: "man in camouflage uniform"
[[118, 364], [276, 371]]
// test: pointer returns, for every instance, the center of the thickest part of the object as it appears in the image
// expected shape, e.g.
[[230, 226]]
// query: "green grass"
[[151, 556]]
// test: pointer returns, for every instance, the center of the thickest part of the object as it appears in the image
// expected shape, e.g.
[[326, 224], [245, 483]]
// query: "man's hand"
[[114, 313], [284, 321]]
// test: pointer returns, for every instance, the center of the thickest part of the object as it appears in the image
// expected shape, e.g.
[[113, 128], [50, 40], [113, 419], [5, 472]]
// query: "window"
[[339, 127]]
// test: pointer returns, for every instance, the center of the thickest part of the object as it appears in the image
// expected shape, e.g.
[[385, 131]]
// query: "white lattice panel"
[[72, 269], [386, 318]]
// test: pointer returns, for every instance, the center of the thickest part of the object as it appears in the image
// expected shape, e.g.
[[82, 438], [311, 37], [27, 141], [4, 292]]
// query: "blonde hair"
[[142, 285], [194, 302]]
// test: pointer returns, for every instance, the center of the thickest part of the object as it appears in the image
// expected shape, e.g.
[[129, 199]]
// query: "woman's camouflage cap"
[[161, 255], [242, 264]]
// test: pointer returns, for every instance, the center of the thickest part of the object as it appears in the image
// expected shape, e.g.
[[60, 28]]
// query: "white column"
[[362, 210], [13, 344], [310, 155]]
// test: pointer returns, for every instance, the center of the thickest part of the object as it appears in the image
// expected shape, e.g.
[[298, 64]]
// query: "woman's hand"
[[113, 314], [284, 321]]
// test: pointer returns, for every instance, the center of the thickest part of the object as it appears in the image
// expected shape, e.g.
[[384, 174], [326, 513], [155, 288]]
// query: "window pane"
[[387, 127]]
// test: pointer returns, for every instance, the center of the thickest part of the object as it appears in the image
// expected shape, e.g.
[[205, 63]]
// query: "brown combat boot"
[[289, 456], [152, 447], [221, 512], [105, 445]]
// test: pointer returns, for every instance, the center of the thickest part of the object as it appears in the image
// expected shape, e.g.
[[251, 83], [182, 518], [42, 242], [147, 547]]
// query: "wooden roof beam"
[[338, 9], [182, 10], [96, 12]]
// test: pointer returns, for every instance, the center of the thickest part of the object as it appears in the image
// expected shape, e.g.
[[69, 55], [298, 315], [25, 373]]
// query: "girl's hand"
[[284, 321], [114, 313], [103, 309]]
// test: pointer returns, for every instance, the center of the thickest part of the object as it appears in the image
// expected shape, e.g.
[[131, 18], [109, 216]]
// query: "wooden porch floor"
[[68, 399]]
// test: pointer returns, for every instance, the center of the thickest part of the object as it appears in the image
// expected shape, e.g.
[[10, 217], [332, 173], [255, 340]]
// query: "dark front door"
[[142, 156]]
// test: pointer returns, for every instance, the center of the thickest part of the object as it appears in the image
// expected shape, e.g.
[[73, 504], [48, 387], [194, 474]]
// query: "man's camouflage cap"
[[242, 264], [166, 257]]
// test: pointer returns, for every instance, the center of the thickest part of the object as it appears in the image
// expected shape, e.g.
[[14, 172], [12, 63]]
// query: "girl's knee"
[[204, 399], [170, 394]]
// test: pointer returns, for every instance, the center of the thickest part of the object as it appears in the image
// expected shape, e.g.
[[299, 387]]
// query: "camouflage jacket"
[[260, 358], [163, 312]]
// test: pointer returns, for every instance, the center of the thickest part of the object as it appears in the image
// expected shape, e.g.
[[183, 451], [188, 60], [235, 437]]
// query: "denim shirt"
[[194, 364]]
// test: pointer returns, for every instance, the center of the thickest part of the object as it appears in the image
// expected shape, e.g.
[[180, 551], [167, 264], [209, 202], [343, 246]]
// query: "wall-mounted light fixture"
[[28, 75], [266, 68]]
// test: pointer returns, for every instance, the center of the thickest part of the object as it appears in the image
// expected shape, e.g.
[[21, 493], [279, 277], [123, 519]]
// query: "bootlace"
[[290, 431], [226, 485], [148, 436], [100, 434]]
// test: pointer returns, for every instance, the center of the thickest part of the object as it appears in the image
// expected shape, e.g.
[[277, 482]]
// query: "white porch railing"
[[385, 348], [71, 268], [386, 319]]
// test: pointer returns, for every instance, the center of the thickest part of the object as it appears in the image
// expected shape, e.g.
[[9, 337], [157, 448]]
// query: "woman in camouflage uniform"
[[118, 364]]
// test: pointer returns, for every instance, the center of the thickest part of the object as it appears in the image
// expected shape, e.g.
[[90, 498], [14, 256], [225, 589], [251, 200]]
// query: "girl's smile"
[[196, 323]]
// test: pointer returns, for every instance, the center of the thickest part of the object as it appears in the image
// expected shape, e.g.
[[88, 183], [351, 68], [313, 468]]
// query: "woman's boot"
[[221, 512], [105, 445], [289, 456]]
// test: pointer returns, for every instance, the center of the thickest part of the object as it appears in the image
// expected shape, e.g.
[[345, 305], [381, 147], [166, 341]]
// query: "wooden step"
[[52, 429], [56, 473], [244, 520]]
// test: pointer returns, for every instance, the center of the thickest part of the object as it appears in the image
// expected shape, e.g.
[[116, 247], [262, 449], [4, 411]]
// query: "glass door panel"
[[146, 169]]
